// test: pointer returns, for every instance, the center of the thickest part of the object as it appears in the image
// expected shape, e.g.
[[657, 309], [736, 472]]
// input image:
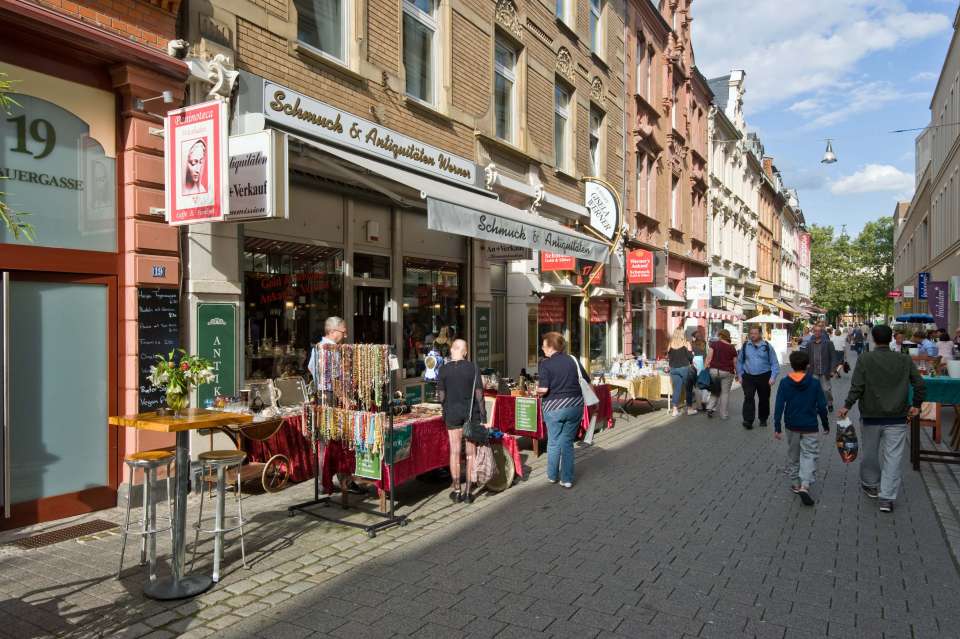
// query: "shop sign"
[[698, 288], [258, 176], [602, 204], [938, 303], [368, 465], [923, 279], [320, 120], [216, 341], [497, 252], [640, 267], [552, 310], [158, 333], [907, 292], [483, 225], [895, 294], [907, 305], [555, 262], [402, 440], [805, 240], [195, 163], [718, 286], [590, 272], [481, 349], [955, 288], [525, 415], [599, 311]]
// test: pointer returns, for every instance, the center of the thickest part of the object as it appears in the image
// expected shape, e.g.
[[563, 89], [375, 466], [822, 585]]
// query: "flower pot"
[[177, 402]]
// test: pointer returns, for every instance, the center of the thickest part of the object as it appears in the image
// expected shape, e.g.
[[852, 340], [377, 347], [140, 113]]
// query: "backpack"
[[857, 335], [742, 355]]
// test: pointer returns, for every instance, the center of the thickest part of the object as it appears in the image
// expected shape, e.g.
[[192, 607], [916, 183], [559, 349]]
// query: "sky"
[[850, 70]]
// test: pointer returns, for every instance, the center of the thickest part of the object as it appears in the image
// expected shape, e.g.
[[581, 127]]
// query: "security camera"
[[178, 49]]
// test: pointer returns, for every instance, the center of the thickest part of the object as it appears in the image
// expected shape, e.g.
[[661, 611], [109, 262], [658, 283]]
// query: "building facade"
[[666, 166], [85, 162]]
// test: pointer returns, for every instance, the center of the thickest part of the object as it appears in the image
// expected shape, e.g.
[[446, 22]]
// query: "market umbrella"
[[767, 319]]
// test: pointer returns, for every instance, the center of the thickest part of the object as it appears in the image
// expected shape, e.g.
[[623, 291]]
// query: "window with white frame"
[[675, 203], [596, 26], [561, 127], [596, 141], [322, 26], [419, 48], [504, 98]]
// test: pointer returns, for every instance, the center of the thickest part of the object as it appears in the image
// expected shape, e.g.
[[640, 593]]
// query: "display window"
[[289, 292], [434, 310]]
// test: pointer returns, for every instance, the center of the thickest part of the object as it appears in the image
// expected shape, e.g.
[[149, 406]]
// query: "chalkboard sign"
[[158, 332]]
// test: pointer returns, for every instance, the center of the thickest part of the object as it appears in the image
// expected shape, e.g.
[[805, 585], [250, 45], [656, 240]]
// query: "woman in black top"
[[562, 406], [458, 385], [680, 358]]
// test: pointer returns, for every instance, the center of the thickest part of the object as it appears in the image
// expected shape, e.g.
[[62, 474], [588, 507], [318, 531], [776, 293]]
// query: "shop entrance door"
[[59, 356], [368, 305]]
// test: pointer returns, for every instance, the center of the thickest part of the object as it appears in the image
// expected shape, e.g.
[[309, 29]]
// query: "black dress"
[[457, 382]]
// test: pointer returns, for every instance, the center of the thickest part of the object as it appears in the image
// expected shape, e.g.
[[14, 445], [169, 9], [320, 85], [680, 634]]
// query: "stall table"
[[178, 586], [642, 389], [939, 390], [288, 441]]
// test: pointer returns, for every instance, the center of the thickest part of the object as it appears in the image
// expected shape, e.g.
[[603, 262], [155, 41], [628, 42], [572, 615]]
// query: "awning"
[[709, 313], [666, 295], [470, 213]]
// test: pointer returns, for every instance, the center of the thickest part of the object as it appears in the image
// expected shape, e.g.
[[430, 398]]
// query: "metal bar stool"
[[149, 461], [219, 461]]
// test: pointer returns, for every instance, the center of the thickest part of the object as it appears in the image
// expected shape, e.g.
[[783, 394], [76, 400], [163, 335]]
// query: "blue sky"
[[851, 70]]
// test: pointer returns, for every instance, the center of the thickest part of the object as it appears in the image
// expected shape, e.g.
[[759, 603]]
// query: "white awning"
[[470, 213], [667, 296]]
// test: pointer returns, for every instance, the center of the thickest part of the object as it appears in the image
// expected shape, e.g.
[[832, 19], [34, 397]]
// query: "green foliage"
[[12, 220], [854, 275]]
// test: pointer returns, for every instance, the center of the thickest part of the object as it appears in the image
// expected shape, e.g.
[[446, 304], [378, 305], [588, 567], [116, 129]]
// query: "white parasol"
[[767, 319]]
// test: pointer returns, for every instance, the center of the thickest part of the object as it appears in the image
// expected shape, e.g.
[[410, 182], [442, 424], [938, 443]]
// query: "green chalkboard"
[[481, 347], [216, 341], [368, 466], [526, 415]]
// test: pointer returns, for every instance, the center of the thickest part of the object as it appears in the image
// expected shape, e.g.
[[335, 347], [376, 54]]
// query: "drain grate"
[[64, 534]]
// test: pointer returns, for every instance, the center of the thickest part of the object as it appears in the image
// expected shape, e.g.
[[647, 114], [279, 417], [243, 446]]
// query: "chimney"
[[768, 166]]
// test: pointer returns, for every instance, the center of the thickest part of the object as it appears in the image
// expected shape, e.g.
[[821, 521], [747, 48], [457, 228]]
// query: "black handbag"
[[473, 429]]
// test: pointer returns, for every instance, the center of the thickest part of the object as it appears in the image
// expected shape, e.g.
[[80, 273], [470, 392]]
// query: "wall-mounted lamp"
[[166, 96]]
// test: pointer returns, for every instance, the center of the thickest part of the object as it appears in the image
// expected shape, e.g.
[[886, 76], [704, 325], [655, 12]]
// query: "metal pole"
[[390, 417]]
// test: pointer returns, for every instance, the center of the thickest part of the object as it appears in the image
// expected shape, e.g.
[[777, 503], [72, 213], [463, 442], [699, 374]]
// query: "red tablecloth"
[[429, 450], [287, 441], [504, 414]]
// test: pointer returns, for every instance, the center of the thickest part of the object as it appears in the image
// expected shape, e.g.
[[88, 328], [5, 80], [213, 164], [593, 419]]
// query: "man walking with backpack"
[[757, 369], [856, 338], [823, 361]]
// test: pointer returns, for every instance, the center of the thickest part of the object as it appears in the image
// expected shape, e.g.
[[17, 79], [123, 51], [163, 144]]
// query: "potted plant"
[[177, 374]]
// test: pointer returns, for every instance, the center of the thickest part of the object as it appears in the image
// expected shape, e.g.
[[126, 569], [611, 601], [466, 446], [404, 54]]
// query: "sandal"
[[456, 496]]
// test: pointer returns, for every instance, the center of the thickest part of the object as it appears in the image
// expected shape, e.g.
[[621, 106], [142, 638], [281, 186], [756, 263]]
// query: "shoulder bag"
[[589, 397], [473, 430]]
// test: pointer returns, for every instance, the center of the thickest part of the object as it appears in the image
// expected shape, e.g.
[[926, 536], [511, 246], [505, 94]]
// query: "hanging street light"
[[829, 157]]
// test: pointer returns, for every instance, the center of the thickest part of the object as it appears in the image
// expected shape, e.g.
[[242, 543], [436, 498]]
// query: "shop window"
[[596, 141], [289, 292], [561, 127], [599, 323], [322, 26], [419, 49], [434, 311], [374, 267], [505, 71]]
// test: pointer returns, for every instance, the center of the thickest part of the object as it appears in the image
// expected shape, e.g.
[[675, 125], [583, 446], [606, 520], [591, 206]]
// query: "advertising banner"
[[497, 252], [698, 288], [923, 280], [258, 176], [908, 292], [804, 250], [895, 294], [195, 164], [216, 337], [938, 303], [599, 311], [718, 286], [602, 204], [481, 342], [552, 310], [640, 267], [556, 262]]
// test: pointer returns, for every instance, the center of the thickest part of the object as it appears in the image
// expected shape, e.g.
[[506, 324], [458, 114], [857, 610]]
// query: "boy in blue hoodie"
[[800, 400]]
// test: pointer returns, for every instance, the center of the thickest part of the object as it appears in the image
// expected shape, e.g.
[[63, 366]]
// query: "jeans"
[[802, 452], [678, 378], [759, 386], [723, 399], [826, 383], [882, 448], [562, 427]]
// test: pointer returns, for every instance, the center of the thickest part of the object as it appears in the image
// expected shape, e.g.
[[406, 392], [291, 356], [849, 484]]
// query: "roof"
[[721, 91]]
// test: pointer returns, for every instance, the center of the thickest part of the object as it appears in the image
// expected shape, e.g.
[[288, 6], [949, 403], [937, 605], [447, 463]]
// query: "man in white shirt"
[[334, 331]]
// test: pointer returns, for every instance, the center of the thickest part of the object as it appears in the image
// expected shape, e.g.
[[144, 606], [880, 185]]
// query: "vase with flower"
[[176, 374]]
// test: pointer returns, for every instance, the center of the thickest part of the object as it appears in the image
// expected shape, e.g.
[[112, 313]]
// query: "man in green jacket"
[[881, 383]]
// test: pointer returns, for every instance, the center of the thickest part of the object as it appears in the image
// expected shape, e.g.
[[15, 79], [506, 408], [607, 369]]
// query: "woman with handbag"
[[721, 358], [680, 359], [464, 413], [561, 385]]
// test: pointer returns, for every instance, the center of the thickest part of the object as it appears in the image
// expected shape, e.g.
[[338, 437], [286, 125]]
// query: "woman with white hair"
[[461, 395]]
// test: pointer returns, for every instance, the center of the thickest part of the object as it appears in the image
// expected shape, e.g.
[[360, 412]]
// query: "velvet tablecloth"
[[504, 414], [287, 441]]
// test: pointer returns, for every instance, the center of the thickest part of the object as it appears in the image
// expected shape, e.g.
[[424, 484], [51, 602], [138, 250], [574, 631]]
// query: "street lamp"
[[829, 157]]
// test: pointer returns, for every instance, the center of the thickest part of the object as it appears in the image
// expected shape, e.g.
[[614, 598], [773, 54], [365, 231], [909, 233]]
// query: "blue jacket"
[[757, 360], [799, 403]]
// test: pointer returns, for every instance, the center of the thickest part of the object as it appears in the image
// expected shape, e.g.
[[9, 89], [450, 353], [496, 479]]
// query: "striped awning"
[[709, 313]]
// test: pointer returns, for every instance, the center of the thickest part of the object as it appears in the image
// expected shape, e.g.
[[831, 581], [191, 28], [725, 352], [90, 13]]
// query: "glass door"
[[59, 348]]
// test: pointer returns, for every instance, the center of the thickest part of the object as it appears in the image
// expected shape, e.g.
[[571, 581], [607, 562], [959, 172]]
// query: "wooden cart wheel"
[[503, 462], [276, 474]]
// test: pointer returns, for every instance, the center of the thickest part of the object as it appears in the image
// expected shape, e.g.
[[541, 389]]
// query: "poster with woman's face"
[[194, 154], [195, 172]]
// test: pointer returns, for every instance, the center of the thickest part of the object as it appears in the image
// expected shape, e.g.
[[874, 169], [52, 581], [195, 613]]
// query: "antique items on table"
[[942, 391], [178, 585]]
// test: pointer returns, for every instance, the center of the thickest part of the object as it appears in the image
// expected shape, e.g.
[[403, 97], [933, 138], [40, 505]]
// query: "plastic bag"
[[847, 443]]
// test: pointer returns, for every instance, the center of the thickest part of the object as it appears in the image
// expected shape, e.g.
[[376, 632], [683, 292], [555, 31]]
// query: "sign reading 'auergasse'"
[[318, 119]]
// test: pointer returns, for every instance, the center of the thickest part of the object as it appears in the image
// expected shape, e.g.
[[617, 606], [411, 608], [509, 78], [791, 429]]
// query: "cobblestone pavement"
[[675, 528]]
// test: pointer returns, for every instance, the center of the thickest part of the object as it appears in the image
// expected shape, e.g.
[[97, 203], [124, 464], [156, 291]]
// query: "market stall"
[[522, 416], [939, 390]]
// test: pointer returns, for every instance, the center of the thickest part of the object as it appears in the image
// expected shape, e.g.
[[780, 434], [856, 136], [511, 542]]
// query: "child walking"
[[800, 400]]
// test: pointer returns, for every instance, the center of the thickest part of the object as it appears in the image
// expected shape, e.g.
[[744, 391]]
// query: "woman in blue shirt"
[[562, 405]]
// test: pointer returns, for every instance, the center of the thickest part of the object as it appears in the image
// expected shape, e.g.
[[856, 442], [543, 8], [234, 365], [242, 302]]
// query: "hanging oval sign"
[[602, 204]]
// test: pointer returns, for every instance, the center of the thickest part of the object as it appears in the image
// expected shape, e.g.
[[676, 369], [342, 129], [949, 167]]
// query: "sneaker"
[[805, 497], [795, 489], [566, 484], [675, 412], [748, 425], [886, 506], [691, 411], [870, 491], [552, 481]]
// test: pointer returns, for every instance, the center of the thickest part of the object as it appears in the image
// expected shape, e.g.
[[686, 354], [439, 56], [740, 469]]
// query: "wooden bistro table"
[[939, 390], [178, 585]]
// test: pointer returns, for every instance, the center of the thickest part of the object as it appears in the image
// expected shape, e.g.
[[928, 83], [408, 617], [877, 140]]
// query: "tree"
[[874, 254], [828, 270], [12, 220]]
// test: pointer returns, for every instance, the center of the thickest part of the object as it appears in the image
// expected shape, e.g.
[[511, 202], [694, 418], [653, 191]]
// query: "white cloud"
[[791, 50], [872, 178], [925, 76], [804, 107], [853, 98]]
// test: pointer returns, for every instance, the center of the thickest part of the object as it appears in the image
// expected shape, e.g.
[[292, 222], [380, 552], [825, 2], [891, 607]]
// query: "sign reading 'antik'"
[[318, 119]]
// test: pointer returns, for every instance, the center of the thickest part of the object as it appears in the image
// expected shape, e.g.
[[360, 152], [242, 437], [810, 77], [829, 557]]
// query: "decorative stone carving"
[[565, 63], [218, 74], [508, 16], [490, 175], [596, 90], [539, 195]]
